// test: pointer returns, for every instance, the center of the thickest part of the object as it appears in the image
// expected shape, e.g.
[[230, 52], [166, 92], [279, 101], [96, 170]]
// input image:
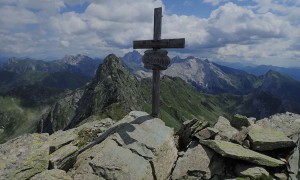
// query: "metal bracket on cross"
[[157, 59]]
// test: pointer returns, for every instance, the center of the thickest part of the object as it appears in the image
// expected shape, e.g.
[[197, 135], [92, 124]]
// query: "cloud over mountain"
[[262, 31]]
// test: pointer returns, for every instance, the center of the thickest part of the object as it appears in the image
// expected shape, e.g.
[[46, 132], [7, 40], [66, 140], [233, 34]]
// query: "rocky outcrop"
[[140, 147], [240, 154], [32, 154], [61, 113], [23, 157]]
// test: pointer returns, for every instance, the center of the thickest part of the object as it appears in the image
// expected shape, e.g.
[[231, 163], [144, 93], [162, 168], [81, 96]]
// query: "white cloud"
[[214, 2], [69, 23], [123, 10], [11, 17], [38, 28]]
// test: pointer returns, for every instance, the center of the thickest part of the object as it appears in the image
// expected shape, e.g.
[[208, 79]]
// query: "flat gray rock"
[[235, 151], [62, 158], [263, 139]]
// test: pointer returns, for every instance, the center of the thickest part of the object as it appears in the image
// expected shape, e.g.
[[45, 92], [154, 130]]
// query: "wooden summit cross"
[[157, 59]]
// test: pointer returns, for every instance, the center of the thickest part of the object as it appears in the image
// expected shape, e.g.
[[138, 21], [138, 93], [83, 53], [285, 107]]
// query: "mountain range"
[[69, 72], [293, 72], [190, 88]]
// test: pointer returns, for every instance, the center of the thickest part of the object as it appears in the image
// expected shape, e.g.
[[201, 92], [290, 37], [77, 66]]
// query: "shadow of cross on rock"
[[126, 128], [137, 147]]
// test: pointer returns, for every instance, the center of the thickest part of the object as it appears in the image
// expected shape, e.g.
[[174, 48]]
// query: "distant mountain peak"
[[133, 56], [275, 74]]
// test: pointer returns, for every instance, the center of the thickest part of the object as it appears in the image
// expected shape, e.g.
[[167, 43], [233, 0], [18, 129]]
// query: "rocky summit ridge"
[[142, 147], [113, 92]]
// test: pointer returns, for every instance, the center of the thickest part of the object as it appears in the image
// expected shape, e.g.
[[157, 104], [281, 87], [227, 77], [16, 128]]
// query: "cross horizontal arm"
[[157, 44]]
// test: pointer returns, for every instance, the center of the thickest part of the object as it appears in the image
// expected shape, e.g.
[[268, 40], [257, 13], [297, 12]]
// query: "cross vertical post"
[[157, 59], [156, 71]]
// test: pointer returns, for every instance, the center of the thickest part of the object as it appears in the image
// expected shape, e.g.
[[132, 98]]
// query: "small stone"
[[226, 131], [240, 136], [52, 174], [281, 176], [207, 133], [246, 144], [251, 171]]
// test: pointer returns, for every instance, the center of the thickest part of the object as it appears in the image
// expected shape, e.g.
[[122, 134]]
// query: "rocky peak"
[[112, 93], [111, 69], [75, 60]]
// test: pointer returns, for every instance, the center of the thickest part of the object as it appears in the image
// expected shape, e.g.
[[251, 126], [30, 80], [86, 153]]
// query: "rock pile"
[[142, 147], [263, 149]]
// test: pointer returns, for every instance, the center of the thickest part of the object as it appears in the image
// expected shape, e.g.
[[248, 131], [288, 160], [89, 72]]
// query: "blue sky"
[[257, 31]]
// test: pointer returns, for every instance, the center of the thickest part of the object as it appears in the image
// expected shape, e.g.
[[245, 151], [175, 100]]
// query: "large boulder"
[[196, 163], [235, 151], [263, 139], [24, 156], [139, 147], [226, 131]]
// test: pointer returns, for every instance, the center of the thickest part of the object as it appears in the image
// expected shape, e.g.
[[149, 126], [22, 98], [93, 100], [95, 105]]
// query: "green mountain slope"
[[281, 86], [181, 102], [22, 108]]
